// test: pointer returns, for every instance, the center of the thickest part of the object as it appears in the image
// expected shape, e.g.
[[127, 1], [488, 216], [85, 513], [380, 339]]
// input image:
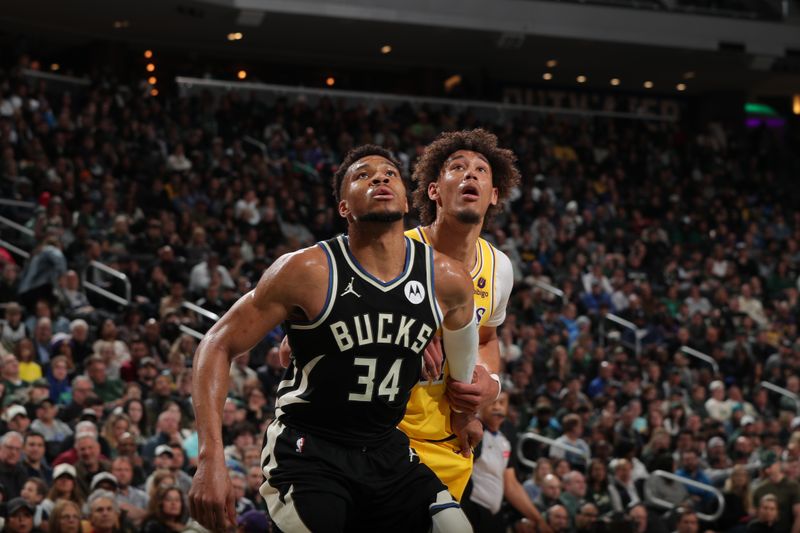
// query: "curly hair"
[[505, 174], [354, 155]]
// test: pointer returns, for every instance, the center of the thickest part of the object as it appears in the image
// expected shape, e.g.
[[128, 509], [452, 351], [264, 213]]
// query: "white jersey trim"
[[361, 273], [503, 283], [333, 289]]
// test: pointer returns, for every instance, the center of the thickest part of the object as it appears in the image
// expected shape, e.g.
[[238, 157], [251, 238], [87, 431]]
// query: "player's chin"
[[381, 215], [468, 215]]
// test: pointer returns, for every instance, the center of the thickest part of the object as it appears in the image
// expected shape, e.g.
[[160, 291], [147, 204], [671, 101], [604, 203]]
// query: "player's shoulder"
[[451, 276], [502, 262], [303, 264], [499, 255]]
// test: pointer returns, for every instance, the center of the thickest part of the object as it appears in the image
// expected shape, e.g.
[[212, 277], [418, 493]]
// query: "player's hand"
[[468, 429], [432, 358], [469, 397], [211, 499], [285, 352]]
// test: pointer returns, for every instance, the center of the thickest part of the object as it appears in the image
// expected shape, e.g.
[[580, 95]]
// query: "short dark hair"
[[34, 434], [505, 174], [354, 155]]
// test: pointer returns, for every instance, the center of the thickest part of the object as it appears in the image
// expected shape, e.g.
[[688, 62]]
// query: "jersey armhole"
[[437, 311], [330, 296]]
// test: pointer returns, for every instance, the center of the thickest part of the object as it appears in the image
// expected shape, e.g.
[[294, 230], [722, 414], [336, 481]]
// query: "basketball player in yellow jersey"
[[461, 178]]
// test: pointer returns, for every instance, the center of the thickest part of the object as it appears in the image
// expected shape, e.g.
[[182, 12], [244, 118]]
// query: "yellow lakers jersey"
[[428, 412]]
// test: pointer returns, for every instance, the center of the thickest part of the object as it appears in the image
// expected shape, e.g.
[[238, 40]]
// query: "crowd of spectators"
[[690, 234]]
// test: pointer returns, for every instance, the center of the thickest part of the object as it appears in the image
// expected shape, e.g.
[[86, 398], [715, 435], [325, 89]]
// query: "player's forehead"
[[370, 162], [466, 156]]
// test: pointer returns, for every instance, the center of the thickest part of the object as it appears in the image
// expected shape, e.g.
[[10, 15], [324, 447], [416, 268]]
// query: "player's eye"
[[390, 173], [362, 175]]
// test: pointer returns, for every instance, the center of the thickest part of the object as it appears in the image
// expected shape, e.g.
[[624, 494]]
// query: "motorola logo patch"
[[415, 292]]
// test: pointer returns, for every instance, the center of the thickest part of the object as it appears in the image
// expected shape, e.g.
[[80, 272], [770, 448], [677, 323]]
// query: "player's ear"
[[495, 196], [433, 190], [343, 208]]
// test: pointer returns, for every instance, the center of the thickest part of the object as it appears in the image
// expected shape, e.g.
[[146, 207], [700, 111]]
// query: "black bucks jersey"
[[355, 364]]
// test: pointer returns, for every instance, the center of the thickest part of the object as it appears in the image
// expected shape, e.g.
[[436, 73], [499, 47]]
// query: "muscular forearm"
[[518, 498], [489, 355], [209, 389]]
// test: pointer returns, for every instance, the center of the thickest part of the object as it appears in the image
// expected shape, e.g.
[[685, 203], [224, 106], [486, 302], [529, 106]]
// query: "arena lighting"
[[688, 75], [547, 76], [154, 92], [150, 67], [648, 84], [452, 82], [242, 74], [753, 108], [581, 79], [614, 81], [236, 36], [152, 80], [681, 87], [551, 63], [55, 66], [120, 24], [148, 54], [796, 104], [386, 49], [330, 81]]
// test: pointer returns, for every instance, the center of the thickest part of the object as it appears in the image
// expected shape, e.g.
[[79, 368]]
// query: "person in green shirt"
[[786, 491], [108, 390]]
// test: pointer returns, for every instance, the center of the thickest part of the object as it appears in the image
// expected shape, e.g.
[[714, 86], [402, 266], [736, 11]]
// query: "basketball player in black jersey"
[[359, 311]]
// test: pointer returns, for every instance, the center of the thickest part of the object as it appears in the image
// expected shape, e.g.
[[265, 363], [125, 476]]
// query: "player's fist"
[[469, 397], [468, 429], [211, 499]]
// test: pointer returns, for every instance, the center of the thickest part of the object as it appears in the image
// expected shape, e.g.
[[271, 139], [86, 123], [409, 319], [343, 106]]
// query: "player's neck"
[[379, 248], [454, 238]]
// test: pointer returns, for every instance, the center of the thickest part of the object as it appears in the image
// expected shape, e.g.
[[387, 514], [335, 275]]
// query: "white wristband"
[[499, 384], [461, 350]]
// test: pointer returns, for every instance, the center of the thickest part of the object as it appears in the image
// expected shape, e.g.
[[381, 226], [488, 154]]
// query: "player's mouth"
[[470, 192], [383, 193]]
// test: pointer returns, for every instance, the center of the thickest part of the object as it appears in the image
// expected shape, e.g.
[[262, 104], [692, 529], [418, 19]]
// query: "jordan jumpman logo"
[[349, 289]]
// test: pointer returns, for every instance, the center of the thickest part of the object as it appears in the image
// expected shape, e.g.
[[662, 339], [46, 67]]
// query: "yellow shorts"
[[452, 468]]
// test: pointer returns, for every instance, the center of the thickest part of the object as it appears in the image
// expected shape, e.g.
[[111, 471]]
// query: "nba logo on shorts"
[[481, 282], [415, 292]]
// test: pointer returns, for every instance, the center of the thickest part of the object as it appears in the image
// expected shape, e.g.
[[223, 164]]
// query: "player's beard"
[[381, 216], [468, 216]]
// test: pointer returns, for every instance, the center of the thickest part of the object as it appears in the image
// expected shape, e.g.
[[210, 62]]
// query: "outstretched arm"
[[242, 327]]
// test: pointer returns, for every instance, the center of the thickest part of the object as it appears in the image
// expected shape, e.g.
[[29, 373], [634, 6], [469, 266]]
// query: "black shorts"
[[315, 485]]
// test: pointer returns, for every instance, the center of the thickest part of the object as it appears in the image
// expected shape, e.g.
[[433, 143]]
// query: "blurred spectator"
[[20, 516], [767, 516], [103, 512], [65, 518], [132, 501], [12, 473], [34, 461], [90, 462], [40, 276], [785, 490], [65, 487], [573, 429]]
